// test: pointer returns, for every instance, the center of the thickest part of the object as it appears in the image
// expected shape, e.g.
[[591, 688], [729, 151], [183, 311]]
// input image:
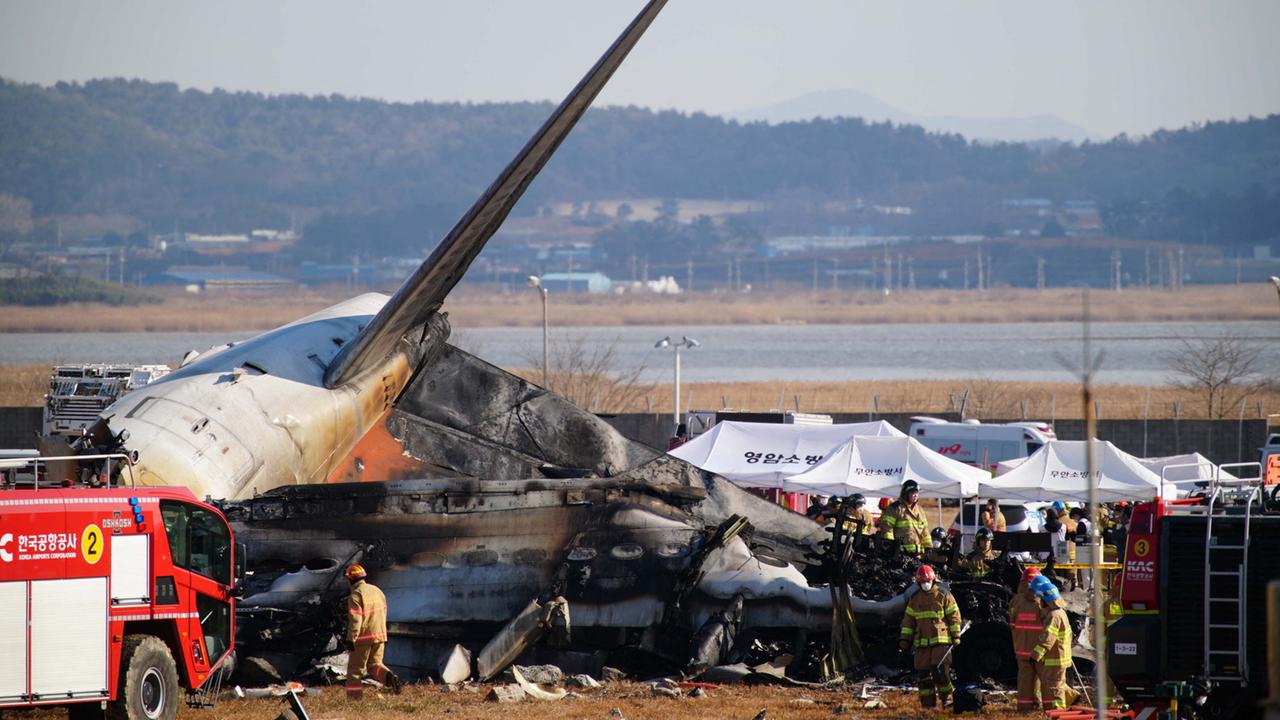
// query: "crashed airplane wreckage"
[[358, 433], [644, 547]]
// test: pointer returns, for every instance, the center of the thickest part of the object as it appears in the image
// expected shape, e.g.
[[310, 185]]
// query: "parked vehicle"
[[1193, 627], [112, 597], [979, 444]]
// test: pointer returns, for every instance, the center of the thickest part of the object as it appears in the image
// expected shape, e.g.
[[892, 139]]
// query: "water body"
[[1011, 351]]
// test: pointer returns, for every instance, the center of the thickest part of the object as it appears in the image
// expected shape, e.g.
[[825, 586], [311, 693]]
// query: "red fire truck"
[[1191, 639], [111, 597]]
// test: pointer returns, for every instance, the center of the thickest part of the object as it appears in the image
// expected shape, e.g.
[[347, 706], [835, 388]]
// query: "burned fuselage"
[[459, 555]]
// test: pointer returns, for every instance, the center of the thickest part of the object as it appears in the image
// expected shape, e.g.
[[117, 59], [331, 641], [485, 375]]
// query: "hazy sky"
[[1107, 65]]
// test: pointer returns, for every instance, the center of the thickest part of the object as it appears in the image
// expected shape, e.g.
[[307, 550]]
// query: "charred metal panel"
[[462, 392]]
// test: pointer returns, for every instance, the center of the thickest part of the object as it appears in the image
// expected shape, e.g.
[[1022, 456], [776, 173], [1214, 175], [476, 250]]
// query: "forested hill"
[[164, 154]]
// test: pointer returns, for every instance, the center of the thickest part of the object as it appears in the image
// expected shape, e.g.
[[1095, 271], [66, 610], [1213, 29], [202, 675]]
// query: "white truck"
[[980, 445]]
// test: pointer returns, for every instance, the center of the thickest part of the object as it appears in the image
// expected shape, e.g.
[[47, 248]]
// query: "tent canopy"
[[1059, 471], [879, 466], [1185, 468], [762, 454]]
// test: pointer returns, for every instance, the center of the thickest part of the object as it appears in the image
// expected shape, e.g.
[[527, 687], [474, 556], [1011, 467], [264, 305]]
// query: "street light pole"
[[536, 283], [684, 343]]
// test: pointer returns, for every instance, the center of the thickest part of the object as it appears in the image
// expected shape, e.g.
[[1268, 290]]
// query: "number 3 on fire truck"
[[91, 544]]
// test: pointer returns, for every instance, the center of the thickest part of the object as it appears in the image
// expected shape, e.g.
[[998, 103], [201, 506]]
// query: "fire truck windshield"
[[198, 540]]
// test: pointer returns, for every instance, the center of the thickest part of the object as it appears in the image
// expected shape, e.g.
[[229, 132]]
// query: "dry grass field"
[[633, 700], [988, 399], [25, 385], [468, 308]]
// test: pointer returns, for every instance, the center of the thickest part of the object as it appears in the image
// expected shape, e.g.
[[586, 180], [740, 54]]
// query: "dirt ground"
[[634, 700]]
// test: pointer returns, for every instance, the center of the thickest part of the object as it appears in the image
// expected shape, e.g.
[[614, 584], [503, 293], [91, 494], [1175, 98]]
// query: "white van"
[[980, 445]]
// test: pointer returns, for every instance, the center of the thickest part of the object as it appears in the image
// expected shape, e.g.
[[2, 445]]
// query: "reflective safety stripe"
[[908, 631], [929, 642], [1055, 662], [1022, 653], [372, 636], [924, 613]]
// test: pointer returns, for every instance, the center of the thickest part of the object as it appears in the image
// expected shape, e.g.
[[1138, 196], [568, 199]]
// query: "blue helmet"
[[1044, 588], [1058, 505]]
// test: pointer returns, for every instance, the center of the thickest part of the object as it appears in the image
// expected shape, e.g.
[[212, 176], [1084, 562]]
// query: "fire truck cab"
[[1192, 607], [111, 598]]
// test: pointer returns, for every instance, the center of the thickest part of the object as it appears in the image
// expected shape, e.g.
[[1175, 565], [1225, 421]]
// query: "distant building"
[[576, 282]]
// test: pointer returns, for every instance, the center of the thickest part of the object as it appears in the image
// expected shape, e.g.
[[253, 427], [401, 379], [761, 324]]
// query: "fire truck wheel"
[[148, 681]]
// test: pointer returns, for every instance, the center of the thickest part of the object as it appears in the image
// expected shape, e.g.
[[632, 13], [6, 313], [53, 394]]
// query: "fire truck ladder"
[[1225, 656]]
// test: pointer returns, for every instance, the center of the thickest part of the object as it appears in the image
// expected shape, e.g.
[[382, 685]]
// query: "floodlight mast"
[[685, 342]]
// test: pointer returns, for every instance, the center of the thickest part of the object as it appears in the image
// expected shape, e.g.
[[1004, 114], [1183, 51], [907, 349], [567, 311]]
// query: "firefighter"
[[858, 513], [366, 635], [903, 527], [1024, 618], [939, 554], [931, 624], [1052, 654], [978, 562], [991, 517]]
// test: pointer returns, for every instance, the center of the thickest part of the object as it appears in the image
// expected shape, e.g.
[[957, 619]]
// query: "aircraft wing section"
[[424, 292]]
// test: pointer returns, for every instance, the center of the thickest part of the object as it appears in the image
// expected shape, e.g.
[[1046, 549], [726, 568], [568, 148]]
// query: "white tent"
[[1185, 468], [879, 466], [1005, 466], [1058, 471], [762, 454]]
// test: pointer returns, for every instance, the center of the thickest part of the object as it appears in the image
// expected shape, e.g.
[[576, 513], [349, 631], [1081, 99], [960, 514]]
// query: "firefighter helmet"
[[983, 534], [925, 574], [1030, 574], [355, 572], [937, 534], [910, 486], [1044, 588], [856, 500]]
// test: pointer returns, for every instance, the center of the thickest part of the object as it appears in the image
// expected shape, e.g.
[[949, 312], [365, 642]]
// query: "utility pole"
[[981, 277], [1040, 273], [888, 270], [815, 275], [911, 273], [688, 276]]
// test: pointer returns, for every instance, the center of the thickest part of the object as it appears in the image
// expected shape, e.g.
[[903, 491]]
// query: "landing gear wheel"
[[148, 681]]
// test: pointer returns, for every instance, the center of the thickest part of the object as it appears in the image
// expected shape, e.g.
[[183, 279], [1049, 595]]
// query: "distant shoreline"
[[474, 309]]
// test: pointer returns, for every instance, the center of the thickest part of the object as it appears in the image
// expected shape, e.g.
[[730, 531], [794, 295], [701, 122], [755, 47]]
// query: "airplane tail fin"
[[424, 292]]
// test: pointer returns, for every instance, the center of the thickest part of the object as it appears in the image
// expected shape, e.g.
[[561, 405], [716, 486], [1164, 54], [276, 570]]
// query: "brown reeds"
[[472, 308]]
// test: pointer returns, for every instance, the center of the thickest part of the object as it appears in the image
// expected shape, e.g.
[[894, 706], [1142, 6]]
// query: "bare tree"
[[988, 399], [1219, 369], [582, 371]]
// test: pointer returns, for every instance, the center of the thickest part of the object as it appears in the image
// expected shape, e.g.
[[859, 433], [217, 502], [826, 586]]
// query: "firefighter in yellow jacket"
[[931, 624], [978, 562], [903, 526], [1052, 654], [366, 635], [1024, 618]]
